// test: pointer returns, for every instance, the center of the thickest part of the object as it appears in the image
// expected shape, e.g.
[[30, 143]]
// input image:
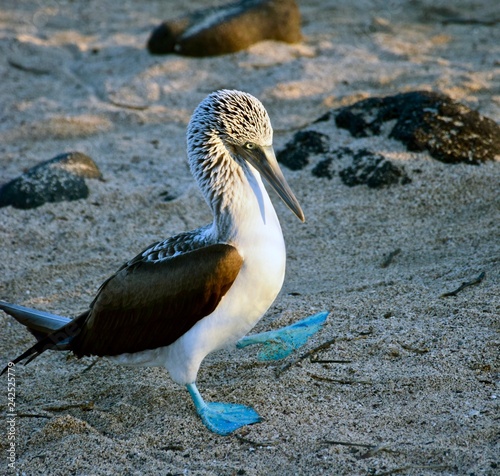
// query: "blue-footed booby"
[[202, 290]]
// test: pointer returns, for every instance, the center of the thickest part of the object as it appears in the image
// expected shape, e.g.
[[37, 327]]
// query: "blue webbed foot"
[[222, 418], [282, 342]]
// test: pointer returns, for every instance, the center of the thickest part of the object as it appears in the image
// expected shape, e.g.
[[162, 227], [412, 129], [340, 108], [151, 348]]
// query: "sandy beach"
[[406, 381]]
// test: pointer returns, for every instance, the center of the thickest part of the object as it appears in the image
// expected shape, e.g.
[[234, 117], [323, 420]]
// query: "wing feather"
[[148, 304]]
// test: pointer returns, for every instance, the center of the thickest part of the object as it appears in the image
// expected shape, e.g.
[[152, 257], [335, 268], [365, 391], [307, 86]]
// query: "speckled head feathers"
[[233, 116]]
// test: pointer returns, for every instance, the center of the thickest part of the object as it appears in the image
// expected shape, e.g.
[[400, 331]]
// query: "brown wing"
[[151, 304]]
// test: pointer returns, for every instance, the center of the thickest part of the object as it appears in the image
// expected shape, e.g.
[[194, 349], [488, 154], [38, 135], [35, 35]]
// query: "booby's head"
[[229, 131]]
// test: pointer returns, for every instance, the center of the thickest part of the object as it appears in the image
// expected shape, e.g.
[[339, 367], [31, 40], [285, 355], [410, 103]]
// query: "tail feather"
[[52, 331], [36, 321]]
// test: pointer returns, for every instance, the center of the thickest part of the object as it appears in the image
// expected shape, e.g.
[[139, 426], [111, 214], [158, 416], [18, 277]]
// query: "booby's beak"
[[264, 160]]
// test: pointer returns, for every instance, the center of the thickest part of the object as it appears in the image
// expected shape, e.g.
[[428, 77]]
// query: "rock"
[[360, 167], [59, 179], [373, 170], [449, 131], [366, 168], [228, 28], [296, 153], [326, 167]]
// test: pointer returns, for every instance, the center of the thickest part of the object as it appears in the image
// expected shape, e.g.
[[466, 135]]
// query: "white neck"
[[247, 213], [239, 201]]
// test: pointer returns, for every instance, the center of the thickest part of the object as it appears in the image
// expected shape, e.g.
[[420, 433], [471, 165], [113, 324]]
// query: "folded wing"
[[147, 304]]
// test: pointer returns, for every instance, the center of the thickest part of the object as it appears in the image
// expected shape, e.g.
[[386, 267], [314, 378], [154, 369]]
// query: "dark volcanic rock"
[[373, 170], [61, 178], [296, 153], [367, 168], [325, 168], [450, 131], [229, 28]]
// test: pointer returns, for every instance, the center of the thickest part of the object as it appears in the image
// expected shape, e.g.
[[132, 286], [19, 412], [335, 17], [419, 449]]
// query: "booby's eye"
[[249, 146]]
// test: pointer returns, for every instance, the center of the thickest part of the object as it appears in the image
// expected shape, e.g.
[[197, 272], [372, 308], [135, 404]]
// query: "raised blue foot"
[[282, 342], [222, 418]]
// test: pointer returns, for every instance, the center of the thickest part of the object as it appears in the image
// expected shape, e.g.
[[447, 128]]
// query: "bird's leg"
[[282, 342], [222, 418]]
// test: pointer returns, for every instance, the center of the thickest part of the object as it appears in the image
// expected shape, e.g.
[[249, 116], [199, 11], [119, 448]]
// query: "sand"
[[409, 382]]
